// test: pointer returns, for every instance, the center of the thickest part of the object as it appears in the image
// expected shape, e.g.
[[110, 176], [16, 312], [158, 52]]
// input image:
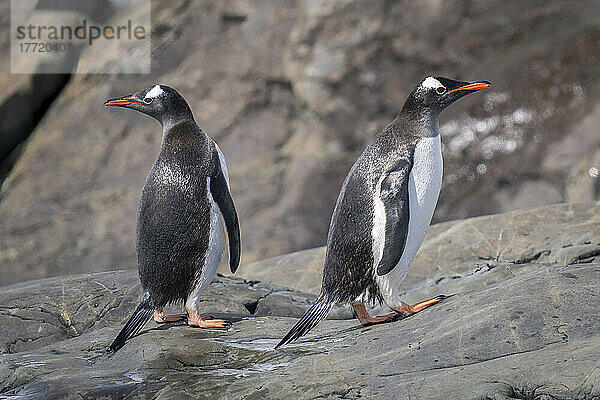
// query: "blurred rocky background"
[[293, 90]]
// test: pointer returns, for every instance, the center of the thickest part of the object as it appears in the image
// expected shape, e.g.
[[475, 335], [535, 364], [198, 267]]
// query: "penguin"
[[384, 209], [186, 198]]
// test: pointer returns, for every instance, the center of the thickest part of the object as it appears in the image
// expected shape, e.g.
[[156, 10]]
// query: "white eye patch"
[[155, 92], [431, 83]]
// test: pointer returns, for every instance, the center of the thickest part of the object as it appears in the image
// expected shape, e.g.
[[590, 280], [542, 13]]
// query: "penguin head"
[[434, 94], [159, 101]]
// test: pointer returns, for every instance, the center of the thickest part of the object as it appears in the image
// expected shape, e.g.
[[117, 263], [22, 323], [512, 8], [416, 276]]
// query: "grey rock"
[[529, 336], [302, 270], [37, 313], [531, 193], [583, 183]]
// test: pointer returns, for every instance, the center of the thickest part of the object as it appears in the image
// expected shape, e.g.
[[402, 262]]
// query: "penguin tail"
[[315, 314], [139, 318]]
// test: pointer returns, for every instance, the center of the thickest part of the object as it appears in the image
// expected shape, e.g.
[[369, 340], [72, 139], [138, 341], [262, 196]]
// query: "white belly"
[[425, 181], [213, 254], [215, 242]]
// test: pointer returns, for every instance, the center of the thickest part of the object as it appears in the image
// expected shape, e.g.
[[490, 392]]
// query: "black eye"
[[148, 100], [440, 90]]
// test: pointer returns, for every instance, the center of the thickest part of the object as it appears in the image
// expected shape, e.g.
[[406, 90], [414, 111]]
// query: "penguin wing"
[[219, 188], [393, 196]]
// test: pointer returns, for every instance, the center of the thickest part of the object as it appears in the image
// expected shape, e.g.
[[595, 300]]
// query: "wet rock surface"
[[37, 313], [292, 91], [534, 334]]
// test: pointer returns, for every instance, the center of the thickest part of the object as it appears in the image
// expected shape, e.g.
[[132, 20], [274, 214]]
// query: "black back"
[[174, 214]]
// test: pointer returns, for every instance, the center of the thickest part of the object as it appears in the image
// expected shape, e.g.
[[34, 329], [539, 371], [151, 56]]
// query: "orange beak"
[[111, 103], [472, 86]]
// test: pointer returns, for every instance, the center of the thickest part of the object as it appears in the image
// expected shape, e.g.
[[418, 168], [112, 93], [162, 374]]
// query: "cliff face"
[[518, 327], [293, 90]]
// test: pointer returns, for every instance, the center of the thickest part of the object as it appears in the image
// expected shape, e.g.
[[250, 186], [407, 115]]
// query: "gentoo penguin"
[[384, 209], [179, 239]]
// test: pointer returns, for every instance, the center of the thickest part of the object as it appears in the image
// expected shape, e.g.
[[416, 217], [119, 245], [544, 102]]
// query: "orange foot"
[[207, 322], [160, 317], [403, 311], [366, 320]]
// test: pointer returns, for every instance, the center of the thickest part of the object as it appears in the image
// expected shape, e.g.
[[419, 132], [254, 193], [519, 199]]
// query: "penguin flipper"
[[219, 189], [394, 196]]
